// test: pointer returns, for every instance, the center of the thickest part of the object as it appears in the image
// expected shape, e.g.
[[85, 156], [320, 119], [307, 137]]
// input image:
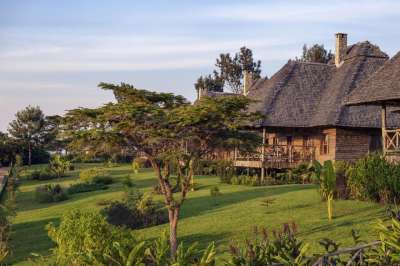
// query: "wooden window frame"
[[324, 149]]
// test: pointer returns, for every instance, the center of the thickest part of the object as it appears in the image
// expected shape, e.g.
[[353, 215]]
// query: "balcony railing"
[[279, 155], [392, 140]]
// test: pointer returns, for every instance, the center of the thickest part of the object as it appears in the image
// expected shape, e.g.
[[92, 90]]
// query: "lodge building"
[[305, 116]]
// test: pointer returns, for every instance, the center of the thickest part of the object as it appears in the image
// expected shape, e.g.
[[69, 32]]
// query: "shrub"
[[59, 165], [41, 174], [91, 174], [281, 247], [105, 180], [85, 187], [156, 252], [50, 193], [136, 211], [84, 237], [127, 182], [374, 178]]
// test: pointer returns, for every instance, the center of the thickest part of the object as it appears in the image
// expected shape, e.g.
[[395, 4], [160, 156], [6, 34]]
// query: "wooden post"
[[383, 118], [263, 155]]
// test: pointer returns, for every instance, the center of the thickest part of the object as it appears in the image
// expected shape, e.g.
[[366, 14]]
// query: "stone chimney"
[[340, 48], [201, 92], [247, 81]]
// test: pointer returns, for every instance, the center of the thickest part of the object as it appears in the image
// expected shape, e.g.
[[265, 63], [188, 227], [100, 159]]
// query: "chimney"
[[340, 48], [247, 81]]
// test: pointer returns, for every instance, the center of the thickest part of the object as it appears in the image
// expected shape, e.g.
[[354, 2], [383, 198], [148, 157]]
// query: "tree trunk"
[[173, 227], [29, 154]]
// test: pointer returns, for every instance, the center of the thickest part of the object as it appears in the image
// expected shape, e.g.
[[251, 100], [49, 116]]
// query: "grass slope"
[[229, 218]]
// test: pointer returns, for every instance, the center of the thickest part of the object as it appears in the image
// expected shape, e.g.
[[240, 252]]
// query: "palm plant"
[[326, 177]]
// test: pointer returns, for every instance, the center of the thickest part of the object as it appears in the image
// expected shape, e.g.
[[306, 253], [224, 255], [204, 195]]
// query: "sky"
[[53, 54]]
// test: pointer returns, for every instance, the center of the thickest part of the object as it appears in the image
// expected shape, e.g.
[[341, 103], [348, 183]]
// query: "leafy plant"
[[84, 237], [280, 247], [85, 187], [50, 193], [42, 174], [215, 193], [90, 174], [326, 177], [138, 210], [59, 165]]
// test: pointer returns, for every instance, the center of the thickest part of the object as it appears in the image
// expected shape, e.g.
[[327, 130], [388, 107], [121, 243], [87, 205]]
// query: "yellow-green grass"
[[229, 217]]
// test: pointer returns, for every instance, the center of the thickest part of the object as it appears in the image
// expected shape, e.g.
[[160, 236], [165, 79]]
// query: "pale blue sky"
[[54, 53]]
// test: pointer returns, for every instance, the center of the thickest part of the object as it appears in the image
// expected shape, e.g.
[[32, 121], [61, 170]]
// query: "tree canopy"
[[229, 72], [28, 128], [316, 54], [166, 129]]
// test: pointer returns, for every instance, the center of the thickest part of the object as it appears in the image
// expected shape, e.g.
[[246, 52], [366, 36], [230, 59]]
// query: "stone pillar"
[[340, 48]]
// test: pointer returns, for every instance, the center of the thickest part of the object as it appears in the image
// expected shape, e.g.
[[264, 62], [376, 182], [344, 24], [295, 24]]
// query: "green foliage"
[[50, 193], [282, 247], [137, 210], [326, 177], [90, 174], [85, 238], [215, 193], [374, 178], [42, 174], [127, 182], [85, 187], [29, 128], [156, 253], [316, 54], [59, 165], [229, 72]]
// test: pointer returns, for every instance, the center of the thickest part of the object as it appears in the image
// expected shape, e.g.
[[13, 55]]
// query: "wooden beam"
[[383, 119], [263, 154]]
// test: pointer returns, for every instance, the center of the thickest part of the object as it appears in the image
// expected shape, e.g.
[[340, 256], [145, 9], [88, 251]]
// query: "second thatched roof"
[[383, 87]]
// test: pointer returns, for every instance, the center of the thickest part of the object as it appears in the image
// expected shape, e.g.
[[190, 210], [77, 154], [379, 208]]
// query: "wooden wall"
[[353, 144]]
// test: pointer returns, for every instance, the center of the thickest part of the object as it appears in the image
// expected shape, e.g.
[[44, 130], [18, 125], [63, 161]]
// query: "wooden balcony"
[[275, 156], [391, 141]]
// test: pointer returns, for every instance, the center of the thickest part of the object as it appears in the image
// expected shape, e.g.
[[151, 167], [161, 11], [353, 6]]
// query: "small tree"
[[59, 165], [326, 177], [29, 128], [316, 54], [165, 128], [229, 72]]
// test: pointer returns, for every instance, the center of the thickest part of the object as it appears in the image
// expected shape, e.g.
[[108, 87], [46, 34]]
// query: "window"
[[307, 141], [325, 145], [289, 140]]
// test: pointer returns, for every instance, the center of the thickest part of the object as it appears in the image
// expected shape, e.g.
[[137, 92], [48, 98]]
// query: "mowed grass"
[[228, 218]]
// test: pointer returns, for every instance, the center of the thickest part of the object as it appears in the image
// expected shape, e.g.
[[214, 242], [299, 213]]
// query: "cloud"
[[306, 11], [120, 53]]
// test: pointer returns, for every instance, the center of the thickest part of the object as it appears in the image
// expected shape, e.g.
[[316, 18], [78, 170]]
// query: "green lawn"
[[229, 219]]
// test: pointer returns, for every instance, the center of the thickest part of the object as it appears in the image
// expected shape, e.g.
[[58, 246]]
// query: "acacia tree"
[[28, 128], [166, 128]]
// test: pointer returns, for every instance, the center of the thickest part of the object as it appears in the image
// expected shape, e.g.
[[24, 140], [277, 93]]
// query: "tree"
[[7, 149], [210, 83], [229, 72], [326, 176], [29, 128], [165, 128], [316, 54]]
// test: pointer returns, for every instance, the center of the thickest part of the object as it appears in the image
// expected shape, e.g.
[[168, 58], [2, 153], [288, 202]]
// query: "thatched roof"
[[311, 94], [381, 87]]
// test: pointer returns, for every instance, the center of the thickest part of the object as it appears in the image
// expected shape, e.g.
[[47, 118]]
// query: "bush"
[[374, 178], [136, 211], [84, 238], [59, 165], [50, 193], [85, 187], [91, 175], [42, 174], [267, 248], [105, 180]]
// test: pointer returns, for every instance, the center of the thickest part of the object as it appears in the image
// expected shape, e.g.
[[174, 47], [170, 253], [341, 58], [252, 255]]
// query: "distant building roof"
[[381, 87], [305, 94]]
